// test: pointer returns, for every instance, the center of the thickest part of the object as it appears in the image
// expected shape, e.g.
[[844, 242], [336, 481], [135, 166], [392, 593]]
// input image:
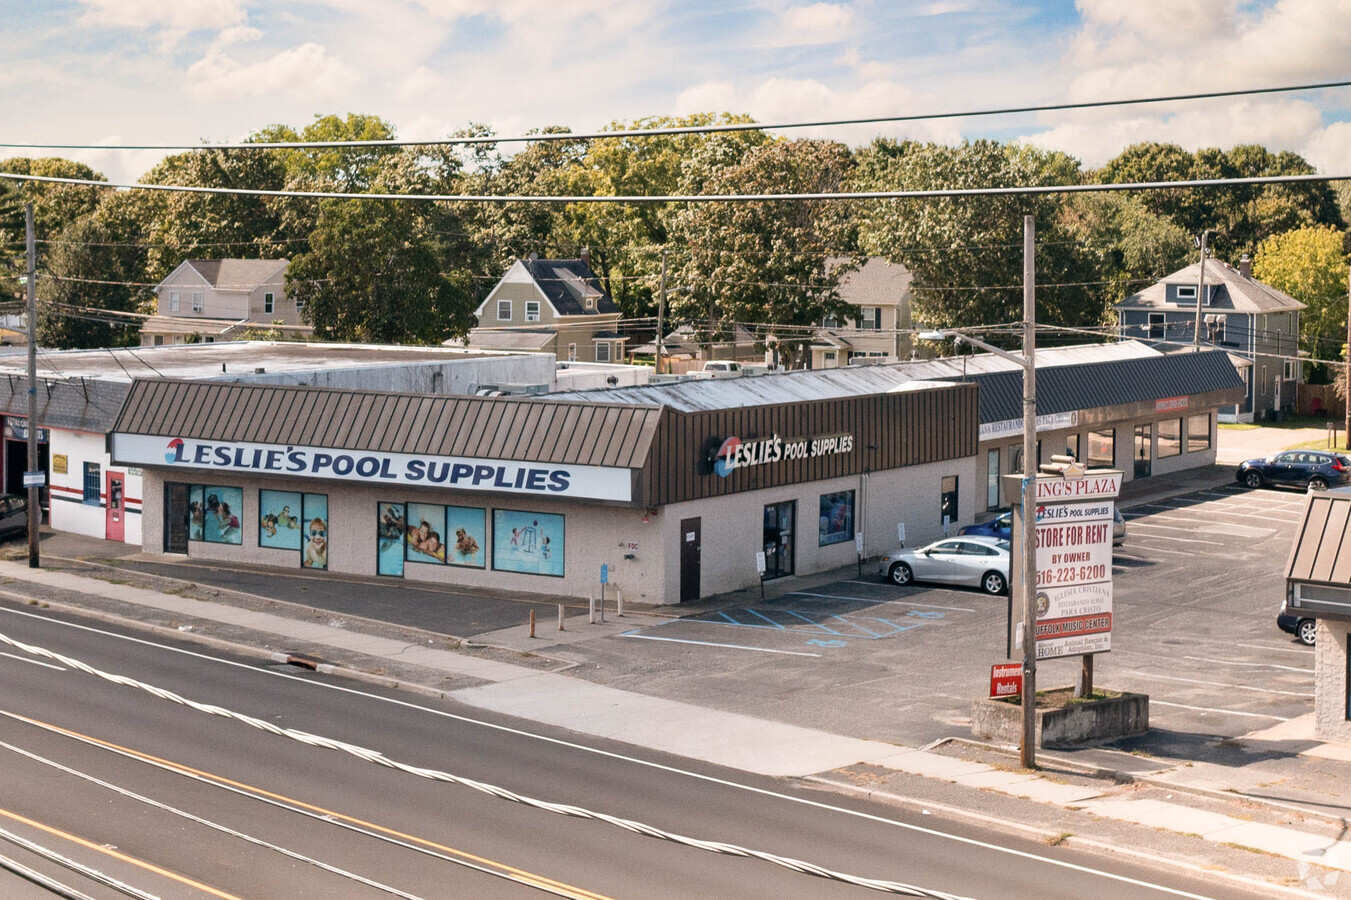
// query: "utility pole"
[[1200, 296], [661, 310], [1347, 383], [1027, 756], [34, 491]]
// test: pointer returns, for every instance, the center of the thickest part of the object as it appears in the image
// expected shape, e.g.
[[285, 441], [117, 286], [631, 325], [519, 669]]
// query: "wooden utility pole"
[[1347, 383], [1200, 297], [34, 491], [1028, 753], [661, 311]]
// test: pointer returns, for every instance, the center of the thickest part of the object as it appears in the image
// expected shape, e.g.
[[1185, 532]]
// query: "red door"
[[117, 502]]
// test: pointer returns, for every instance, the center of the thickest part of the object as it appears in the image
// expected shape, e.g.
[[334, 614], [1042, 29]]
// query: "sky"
[[108, 72]]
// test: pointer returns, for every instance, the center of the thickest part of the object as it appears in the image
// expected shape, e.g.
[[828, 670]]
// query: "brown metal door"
[[691, 541]]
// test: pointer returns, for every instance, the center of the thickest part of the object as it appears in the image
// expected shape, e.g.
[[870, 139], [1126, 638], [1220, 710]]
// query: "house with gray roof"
[[1239, 314], [208, 300], [552, 306]]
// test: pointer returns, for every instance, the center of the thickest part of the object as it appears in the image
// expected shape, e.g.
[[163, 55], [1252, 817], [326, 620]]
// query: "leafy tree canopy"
[[1310, 264]]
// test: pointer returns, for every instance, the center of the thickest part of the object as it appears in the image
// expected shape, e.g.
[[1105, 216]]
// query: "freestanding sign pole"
[[34, 491], [1027, 756]]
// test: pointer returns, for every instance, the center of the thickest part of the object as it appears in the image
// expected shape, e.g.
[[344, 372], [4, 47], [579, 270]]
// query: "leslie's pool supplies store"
[[535, 494]]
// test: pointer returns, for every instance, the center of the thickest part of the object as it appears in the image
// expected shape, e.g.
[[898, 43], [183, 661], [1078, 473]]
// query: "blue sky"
[[131, 71]]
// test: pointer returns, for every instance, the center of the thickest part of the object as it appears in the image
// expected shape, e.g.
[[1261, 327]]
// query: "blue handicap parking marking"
[[817, 642], [926, 614]]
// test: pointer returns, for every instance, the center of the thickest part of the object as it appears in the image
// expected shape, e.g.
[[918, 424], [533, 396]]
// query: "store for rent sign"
[[457, 473], [1074, 579]]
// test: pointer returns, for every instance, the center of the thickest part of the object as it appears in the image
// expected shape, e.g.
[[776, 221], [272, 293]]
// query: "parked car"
[[1311, 469], [1302, 627], [13, 514], [1001, 526], [973, 561]]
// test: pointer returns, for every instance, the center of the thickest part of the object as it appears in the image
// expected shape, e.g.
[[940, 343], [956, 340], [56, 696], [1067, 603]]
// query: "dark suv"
[[1315, 469]]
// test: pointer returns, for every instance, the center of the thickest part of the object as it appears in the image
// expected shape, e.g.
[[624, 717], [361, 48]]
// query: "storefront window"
[[992, 479], [1102, 449], [1170, 438], [948, 501], [392, 519], [1072, 445], [837, 518], [290, 520], [528, 542], [214, 514], [1198, 433]]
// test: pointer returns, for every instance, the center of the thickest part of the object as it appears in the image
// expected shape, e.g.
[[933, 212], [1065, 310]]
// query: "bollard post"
[[532, 623], [560, 618], [619, 602]]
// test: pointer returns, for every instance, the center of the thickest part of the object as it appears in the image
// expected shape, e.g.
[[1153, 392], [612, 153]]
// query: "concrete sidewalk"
[[728, 739]]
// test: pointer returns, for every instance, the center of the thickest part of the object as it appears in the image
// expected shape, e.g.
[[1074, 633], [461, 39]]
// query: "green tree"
[[1134, 247], [372, 275], [55, 205], [764, 262], [966, 252], [1310, 264]]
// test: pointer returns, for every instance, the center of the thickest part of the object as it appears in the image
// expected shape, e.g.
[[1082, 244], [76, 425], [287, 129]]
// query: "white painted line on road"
[[653, 637], [1223, 712], [35, 662], [1304, 650], [1237, 687], [868, 600], [1160, 549], [1139, 525], [1248, 665]]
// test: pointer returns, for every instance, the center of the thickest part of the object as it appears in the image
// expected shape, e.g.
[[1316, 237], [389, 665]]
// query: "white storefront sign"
[[1074, 579], [374, 467], [1050, 422]]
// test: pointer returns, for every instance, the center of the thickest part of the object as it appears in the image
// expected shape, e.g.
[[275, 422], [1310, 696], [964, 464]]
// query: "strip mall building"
[[679, 490]]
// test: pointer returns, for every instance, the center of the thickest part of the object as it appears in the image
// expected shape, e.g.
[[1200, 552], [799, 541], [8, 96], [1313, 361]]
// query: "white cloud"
[[308, 72], [175, 15], [706, 97], [420, 83], [1330, 149], [1172, 20], [820, 23]]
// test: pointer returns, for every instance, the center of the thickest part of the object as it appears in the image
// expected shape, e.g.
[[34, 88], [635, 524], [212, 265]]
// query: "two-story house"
[[1250, 319], [554, 306], [880, 290], [212, 299]]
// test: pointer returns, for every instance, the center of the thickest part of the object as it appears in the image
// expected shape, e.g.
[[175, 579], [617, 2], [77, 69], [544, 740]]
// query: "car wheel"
[[1253, 479], [900, 574], [1306, 630], [993, 583], [1318, 484]]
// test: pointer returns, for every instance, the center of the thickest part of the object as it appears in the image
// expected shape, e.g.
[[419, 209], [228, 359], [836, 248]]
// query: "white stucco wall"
[[68, 511], [1330, 698]]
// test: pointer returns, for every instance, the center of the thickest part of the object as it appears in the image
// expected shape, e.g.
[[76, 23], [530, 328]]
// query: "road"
[[182, 804]]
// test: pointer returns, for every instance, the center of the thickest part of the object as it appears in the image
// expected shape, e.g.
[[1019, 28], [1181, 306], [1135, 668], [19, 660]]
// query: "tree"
[[55, 205], [1310, 265], [372, 275], [764, 262], [1133, 246], [966, 252]]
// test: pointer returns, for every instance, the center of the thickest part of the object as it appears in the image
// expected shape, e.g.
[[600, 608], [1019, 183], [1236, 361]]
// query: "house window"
[[197, 305], [870, 318], [602, 351], [532, 310], [1157, 326], [572, 352], [209, 339], [1215, 329], [267, 303], [829, 356], [503, 310], [590, 302], [159, 340], [831, 321], [300, 303], [1291, 369], [1186, 294], [1198, 433], [93, 483], [173, 301]]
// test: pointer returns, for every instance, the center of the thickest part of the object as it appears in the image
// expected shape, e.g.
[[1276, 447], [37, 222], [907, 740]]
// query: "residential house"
[[215, 299], [686, 348], [1250, 319], [879, 331], [550, 305]]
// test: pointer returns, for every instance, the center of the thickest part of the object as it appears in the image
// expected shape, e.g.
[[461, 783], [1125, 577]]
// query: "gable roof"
[[566, 283], [235, 274], [877, 282], [79, 404], [1229, 289]]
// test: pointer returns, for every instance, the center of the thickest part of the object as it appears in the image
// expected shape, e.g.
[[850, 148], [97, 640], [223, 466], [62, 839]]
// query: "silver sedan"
[[973, 561]]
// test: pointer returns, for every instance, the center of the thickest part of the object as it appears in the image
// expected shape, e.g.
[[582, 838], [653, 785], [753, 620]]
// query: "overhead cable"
[[686, 129]]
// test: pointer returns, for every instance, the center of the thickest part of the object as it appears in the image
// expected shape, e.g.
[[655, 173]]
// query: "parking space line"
[[1237, 687], [868, 600], [653, 637], [1161, 549], [1223, 712], [1178, 539], [1248, 665]]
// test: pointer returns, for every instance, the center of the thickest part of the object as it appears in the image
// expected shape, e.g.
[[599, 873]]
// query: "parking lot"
[[1197, 586]]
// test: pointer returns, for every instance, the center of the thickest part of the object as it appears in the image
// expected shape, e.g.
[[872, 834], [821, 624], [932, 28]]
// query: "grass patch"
[[1056, 840]]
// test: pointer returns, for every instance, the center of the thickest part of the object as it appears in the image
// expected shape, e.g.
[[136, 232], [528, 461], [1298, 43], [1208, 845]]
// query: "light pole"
[[1027, 510]]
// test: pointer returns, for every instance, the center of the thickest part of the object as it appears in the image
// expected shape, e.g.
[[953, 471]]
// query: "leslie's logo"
[[724, 459], [175, 453]]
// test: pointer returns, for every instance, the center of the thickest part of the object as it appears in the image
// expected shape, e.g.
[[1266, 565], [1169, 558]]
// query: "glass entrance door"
[[779, 547], [1143, 440]]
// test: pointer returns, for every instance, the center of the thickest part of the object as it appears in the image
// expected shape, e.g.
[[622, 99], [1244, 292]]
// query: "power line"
[[1016, 191], [687, 129]]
